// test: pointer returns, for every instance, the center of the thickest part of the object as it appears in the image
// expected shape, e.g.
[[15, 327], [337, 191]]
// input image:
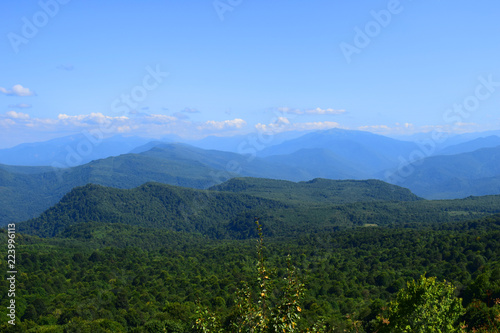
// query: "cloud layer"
[[283, 124], [316, 111], [17, 90], [142, 124]]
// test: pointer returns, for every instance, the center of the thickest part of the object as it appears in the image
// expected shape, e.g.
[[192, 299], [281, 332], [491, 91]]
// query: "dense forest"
[[161, 258]]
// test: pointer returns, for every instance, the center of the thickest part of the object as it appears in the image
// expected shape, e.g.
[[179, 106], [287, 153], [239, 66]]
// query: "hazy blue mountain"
[[455, 176], [449, 139], [25, 169], [229, 144], [368, 151], [469, 146], [334, 154], [465, 137], [321, 163], [147, 146], [227, 162], [244, 143], [26, 194], [68, 151]]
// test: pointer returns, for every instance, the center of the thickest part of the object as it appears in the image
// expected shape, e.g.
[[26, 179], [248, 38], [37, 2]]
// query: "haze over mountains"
[[469, 166], [69, 151]]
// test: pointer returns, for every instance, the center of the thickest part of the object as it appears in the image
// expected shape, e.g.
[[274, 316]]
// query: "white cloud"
[[290, 110], [282, 124], [123, 129], [17, 115], [89, 119], [461, 124], [328, 111], [226, 124], [396, 129], [374, 128], [6, 122], [409, 128], [160, 118], [318, 125], [17, 90], [149, 125], [316, 111]]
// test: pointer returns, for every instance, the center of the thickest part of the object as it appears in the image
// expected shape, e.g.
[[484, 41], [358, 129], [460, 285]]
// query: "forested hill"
[[226, 215], [214, 212], [318, 190], [112, 277], [25, 192], [152, 205]]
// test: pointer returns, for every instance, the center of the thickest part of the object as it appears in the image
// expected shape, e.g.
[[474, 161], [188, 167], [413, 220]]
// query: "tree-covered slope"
[[90, 282], [152, 205], [318, 190], [222, 214], [454, 176], [26, 193]]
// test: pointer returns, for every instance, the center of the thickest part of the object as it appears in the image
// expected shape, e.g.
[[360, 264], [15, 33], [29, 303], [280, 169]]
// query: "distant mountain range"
[[69, 151], [465, 168], [79, 149], [455, 176], [373, 152], [26, 191], [470, 146]]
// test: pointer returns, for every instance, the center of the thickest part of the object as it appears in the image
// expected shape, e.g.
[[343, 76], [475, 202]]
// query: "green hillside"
[[24, 195], [318, 190], [152, 205], [112, 277], [454, 176], [226, 215]]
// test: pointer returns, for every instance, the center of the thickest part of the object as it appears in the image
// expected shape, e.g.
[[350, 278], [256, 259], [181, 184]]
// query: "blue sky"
[[204, 67]]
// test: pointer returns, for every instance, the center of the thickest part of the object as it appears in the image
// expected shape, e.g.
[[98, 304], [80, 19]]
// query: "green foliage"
[[261, 316], [168, 207], [318, 190], [127, 259], [454, 176], [225, 215], [425, 306], [24, 195]]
